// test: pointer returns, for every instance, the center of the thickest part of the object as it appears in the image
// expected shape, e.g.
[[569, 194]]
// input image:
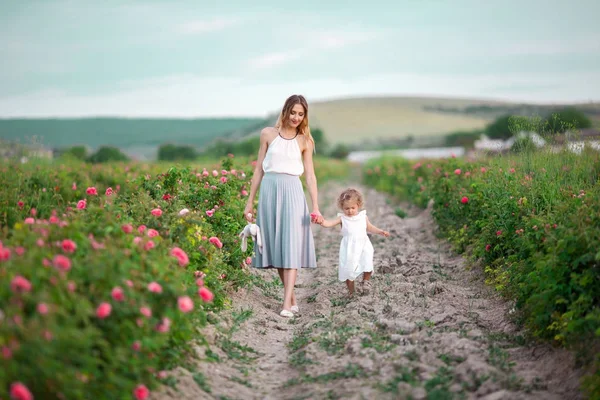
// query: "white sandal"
[[294, 309], [286, 313]]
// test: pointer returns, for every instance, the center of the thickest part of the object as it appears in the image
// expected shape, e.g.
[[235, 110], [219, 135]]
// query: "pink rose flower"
[[91, 191], [103, 310], [146, 312], [20, 284], [157, 212], [18, 391], [141, 392], [42, 308], [118, 294], [215, 240], [127, 228], [69, 246], [154, 287], [4, 253], [81, 204], [185, 304], [181, 256], [136, 346], [164, 325], [61, 262], [205, 294]]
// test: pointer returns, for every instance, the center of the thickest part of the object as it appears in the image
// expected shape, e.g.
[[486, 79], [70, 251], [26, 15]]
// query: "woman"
[[285, 153]]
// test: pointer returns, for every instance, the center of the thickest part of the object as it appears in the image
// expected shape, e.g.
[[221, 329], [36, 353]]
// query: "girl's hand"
[[248, 214], [316, 217], [384, 233]]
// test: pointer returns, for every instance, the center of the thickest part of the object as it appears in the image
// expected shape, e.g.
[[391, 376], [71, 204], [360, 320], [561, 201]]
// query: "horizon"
[[326, 100], [74, 59]]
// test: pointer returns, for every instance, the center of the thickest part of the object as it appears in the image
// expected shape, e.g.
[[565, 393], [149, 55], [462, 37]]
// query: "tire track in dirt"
[[429, 329]]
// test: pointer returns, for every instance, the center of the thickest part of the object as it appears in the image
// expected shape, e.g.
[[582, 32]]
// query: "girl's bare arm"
[[373, 229], [330, 223]]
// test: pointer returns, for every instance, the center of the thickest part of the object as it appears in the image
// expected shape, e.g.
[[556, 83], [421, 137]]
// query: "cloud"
[[209, 25], [315, 42], [271, 60]]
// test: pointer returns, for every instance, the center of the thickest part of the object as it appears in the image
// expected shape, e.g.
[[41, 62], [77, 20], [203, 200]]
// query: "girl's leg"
[[289, 282], [366, 283], [350, 286], [281, 276]]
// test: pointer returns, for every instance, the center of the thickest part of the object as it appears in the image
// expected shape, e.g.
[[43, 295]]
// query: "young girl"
[[356, 250]]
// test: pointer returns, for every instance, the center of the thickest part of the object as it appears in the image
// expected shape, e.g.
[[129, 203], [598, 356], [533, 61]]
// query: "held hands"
[[316, 217]]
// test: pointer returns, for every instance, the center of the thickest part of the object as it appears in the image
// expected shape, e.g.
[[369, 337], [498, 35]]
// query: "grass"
[[355, 120], [400, 212], [200, 380], [349, 371]]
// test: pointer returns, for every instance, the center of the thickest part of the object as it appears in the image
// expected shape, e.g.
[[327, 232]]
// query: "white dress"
[[356, 250]]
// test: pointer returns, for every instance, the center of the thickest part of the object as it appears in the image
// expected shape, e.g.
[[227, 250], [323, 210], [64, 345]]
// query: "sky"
[[73, 58]]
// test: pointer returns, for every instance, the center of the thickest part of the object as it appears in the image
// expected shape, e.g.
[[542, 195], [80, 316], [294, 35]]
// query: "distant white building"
[[410, 154]]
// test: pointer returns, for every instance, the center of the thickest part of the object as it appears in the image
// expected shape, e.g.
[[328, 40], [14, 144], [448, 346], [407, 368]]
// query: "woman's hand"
[[316, 217], [248, 214]]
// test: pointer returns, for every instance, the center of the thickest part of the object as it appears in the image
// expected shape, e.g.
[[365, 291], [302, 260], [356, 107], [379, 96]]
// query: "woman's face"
[[296, 116]]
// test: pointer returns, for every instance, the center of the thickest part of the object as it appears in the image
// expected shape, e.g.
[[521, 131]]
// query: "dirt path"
[[429, 329]]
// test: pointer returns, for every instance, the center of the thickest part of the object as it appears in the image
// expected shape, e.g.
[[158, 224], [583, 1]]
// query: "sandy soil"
[[429, 329]]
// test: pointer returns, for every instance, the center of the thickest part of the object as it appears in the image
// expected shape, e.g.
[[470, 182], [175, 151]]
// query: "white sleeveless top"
[[284, 157]]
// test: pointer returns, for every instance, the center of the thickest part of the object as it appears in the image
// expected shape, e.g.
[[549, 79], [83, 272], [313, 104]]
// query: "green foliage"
[[51, 335], [532, 222], [568, 118], [107, 154], [340, 151], [320, 140], [463, 138], [223, 147], [121, 132], [172, 152], [76, 152], [501, 128]]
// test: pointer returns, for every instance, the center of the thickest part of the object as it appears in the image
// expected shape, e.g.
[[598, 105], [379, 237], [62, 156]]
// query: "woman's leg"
[[282, 277], [288, 289]]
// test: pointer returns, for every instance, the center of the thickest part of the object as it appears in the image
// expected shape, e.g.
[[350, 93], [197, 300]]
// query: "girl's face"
[[296, 116], [350, 208]]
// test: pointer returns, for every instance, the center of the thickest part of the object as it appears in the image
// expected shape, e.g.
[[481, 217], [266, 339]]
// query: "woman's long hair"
[[303, 128]]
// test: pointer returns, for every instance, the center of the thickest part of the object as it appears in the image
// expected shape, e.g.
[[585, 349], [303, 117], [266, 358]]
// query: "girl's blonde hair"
[[303, 128], [350, 195]]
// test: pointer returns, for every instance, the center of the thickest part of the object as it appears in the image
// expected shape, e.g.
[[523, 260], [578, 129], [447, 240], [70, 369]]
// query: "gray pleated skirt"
[[284, 222]]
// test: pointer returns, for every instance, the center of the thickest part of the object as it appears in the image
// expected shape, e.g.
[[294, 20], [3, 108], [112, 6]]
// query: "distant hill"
[[364, 122], [138, 137], [369, 121], [355, 120]]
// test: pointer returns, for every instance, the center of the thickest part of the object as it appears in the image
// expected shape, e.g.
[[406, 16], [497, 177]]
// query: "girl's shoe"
[[294, 309], [286, 313], [366, 287]]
